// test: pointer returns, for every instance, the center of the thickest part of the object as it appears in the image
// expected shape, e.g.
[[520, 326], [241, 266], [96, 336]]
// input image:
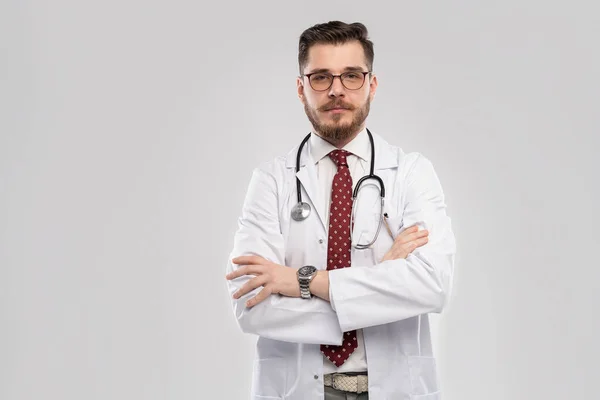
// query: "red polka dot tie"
[[339, 243]]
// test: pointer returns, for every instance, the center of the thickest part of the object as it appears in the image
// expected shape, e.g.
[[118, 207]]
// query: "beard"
[[337, 131]]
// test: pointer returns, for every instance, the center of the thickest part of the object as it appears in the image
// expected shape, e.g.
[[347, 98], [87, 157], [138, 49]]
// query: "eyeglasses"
[[321, 81]]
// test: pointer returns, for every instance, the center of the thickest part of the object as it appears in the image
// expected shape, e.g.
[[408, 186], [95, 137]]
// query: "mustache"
[[338, 104]]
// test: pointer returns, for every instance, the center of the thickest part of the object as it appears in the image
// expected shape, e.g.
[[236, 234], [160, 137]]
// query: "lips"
[[336, 108]]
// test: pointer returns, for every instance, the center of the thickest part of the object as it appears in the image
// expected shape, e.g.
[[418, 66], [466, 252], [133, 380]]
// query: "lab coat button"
[[316, 376], [321, 241]]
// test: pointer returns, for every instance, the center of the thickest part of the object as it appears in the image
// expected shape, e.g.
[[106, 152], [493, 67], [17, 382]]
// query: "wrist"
[[305, 276], [319, 286]]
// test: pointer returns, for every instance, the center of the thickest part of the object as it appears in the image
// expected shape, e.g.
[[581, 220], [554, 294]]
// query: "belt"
[[347, 383]]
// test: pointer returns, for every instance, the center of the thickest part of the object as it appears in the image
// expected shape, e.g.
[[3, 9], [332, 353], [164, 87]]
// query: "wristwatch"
[[305, 275]]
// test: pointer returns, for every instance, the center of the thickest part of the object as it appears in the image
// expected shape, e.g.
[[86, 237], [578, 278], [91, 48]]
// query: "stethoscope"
[[302, 210]]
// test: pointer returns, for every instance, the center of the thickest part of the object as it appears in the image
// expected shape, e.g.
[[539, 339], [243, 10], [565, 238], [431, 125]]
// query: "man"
[[338, 295]]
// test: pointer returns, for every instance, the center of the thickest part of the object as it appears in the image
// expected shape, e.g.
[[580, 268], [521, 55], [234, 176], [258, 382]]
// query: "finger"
[[249, 260], [245, 270], [422, 241], [407, 231], [250, 286], [411, 229], [263, 294], [413, 244], [415, 236]]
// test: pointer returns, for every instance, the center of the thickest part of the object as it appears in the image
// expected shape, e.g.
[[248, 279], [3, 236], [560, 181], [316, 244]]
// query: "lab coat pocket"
[[396, 223], [269, 378], [385, 240], [423, 377]]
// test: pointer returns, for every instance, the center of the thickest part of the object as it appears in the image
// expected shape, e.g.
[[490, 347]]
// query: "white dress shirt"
[[358, 164]]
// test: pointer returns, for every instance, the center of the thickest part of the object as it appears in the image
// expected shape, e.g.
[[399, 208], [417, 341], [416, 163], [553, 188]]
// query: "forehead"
[[335, 57]]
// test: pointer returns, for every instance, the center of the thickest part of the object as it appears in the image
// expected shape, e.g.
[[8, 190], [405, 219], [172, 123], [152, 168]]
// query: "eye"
[[353, 75], [319, 77]]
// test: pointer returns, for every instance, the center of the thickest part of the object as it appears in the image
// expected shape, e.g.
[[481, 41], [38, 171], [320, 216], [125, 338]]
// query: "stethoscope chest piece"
[[300, 211]]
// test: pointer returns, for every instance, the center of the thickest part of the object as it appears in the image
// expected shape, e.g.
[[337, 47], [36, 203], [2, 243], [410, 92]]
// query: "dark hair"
[[334, 32]]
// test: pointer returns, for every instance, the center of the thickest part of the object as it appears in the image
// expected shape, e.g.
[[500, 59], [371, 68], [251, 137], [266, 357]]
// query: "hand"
[[406, 242], [273, 277]]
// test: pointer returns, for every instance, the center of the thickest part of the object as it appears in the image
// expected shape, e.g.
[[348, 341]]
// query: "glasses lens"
[[320, 81], [353, 80]]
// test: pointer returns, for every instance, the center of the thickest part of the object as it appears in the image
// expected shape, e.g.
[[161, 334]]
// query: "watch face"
[[306, 270]]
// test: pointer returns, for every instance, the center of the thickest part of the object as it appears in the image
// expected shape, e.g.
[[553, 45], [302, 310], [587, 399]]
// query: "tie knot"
[[339, 157]]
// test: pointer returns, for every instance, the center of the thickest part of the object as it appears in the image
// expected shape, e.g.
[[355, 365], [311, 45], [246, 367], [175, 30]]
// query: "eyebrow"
[[352, 68]]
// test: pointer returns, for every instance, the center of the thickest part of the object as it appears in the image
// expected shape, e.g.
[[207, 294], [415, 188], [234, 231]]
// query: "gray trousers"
[[334, 394]]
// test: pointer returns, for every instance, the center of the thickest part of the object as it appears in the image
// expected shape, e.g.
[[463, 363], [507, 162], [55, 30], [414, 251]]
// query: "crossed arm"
[[274, 279], [265, 293]]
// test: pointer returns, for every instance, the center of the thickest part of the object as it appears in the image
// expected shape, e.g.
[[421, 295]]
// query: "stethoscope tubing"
[[301, 211]]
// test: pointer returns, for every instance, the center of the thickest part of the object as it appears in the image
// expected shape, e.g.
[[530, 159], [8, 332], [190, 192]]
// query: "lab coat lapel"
[[386, 158], [385, 155], [310, 185]]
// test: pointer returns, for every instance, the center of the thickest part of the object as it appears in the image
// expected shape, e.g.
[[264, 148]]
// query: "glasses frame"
[[336, 76]]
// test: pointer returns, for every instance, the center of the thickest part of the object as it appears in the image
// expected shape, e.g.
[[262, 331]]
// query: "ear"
[[300, 88], [372, 87]]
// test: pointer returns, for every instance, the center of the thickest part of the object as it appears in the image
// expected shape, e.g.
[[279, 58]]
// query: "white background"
[[128, 132]]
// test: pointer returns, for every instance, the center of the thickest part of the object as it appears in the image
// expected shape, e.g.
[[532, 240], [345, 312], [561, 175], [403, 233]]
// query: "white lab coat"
[[389, 301]]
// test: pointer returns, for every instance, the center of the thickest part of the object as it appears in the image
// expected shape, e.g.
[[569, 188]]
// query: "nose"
[[337, 89]]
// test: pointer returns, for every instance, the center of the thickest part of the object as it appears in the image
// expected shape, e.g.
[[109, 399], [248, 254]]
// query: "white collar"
[[359, 146]]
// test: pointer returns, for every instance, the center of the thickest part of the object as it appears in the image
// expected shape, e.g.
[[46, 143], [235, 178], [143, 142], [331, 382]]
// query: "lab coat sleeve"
[[394, 290], [331, 299], [278, 317]]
